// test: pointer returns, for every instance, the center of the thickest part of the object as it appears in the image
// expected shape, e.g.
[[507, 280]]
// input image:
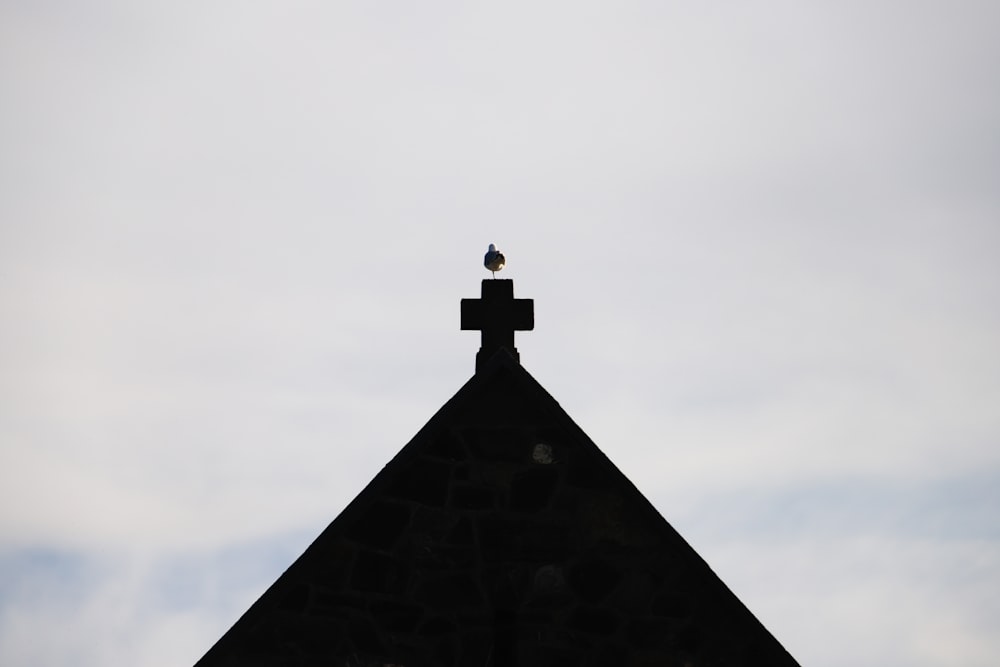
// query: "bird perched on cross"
[[494, 260]]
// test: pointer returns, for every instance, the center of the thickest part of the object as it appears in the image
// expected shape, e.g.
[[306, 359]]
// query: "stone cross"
[[498, 315]]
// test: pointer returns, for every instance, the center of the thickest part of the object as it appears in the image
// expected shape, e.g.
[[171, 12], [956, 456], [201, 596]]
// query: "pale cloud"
[[760, 240]]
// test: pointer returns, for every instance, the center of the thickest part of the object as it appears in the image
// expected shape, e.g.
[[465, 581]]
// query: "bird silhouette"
[[494, 260]]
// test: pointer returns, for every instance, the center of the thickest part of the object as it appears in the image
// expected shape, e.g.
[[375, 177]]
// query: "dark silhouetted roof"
[[500, 535]]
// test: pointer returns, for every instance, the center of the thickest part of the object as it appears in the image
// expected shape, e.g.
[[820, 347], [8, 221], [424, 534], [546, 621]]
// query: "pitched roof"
[[499, 535]]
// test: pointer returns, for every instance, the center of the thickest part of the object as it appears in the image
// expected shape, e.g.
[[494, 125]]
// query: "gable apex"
[[499, 535]]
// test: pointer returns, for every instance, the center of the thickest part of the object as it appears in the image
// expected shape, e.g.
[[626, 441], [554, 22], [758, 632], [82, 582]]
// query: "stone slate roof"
[[500, 535]]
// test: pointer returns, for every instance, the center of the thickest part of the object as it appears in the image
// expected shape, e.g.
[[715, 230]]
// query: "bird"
[[494, 260]]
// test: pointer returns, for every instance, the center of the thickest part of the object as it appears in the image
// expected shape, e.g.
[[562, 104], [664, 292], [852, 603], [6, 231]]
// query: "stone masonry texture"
[[500, 535]]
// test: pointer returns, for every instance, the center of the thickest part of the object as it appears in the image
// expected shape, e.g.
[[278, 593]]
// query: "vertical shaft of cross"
[[498, 315]]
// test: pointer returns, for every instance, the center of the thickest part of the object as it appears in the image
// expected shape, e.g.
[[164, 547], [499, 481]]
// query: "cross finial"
[[498, 315]]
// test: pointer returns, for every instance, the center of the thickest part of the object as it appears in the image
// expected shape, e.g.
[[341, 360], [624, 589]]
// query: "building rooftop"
[[499, 535]]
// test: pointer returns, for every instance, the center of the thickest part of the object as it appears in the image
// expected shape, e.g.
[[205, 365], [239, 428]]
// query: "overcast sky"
[[762, 240]]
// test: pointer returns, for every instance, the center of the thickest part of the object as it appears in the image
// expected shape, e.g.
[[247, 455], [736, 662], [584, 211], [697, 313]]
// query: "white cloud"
[[760, 243]]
